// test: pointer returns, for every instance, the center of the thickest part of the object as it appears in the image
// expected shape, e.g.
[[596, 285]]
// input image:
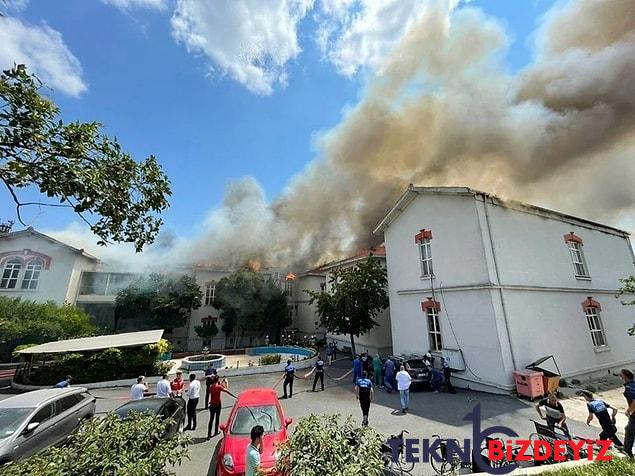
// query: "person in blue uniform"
[[365, 394], [357, 369], [318, 368], [289, 375]]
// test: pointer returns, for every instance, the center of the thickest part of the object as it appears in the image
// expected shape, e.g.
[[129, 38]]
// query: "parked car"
[[34, 421], [418, 370], [164, 407], [257, 406]]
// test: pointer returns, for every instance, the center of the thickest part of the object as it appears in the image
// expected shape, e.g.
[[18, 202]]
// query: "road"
[[430, 413]]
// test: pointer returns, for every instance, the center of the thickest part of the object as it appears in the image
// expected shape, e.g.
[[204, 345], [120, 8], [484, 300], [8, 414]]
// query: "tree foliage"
[[207, 332], [159, 300], [250, 303], [356, 296], [321, 445], [27, 322], [76, 166], [101, 446], [627, 286]]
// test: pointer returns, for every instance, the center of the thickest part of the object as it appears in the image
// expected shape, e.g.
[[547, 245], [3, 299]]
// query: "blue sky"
[[158, 95]]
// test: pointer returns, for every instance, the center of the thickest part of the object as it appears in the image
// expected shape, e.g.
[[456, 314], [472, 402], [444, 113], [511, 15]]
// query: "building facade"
[[494, 285]]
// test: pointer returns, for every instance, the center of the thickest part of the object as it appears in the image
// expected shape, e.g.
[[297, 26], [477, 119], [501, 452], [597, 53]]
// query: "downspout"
[[498, 281]]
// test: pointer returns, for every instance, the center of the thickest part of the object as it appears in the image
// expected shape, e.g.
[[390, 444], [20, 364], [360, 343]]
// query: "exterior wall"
[[304, 318], [59, 282]]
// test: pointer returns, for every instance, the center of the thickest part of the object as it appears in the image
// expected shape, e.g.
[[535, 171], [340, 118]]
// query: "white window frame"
[[577, 258], [288, 287], [435, 339], [31, 276], [11, 273], [210, 293], [596, 329], [425, 257]]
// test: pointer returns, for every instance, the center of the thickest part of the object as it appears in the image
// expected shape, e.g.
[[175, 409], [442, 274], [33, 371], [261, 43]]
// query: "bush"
[[270, 359], [563, 383], [319, 445], [616, 467], [15, 355], [109, 446]]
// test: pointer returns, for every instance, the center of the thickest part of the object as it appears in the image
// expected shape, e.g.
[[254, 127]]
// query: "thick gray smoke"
[[443, 110]]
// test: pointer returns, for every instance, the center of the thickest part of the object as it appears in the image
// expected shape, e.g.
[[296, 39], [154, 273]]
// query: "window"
[[434, 330], [425, 254], [10, 274], [66, 403], [574, 243], [44, 414], [288, 287], [210, 293], [32, 274], [592, 310]]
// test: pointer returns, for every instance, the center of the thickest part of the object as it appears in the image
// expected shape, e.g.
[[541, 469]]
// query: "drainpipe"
[[498, 281]]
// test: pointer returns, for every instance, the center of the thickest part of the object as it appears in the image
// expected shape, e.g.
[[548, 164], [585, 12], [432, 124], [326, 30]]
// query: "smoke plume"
[[443, 109]]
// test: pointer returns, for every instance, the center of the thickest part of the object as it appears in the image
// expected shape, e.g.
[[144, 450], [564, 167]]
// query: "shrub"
[[575, 381], [563, 383], [15, 355], [109, 446], [270, 359], [320, 445]]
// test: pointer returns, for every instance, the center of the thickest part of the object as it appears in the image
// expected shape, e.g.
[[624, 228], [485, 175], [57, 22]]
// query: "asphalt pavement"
[[430, 413]]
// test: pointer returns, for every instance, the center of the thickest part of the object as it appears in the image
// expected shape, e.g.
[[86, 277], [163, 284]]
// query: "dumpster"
[[529, 383], [551, 378]]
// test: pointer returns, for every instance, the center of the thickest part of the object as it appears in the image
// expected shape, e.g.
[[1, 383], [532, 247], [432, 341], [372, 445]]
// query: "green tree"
[[27, 322], [76, 166], [158, 300], [357, 295], [250, 303], [627, 286], [109, 445], [206, 332], [321, 445]]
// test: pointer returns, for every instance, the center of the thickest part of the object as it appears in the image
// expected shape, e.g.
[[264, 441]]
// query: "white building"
[[496, 284], [37, 267]]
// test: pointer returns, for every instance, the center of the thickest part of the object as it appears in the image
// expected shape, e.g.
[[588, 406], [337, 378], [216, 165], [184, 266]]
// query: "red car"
[[255, 406]]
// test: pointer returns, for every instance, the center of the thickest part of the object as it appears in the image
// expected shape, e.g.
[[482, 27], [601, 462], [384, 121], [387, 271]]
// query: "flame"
[[291, 277], [254, 266]]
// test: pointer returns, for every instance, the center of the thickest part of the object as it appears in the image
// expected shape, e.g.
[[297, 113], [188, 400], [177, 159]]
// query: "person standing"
[[210, 371], [215, 390], [163, 387], [599, 408], [193, 394], [403, 385], [629, 394], [65, 383], [289, 375], [389, 375], [329, 353], [318, 368], [334, 343], [436, 379], [365, 394], [252, 454], [554, 413], [377, 370], [177, 385], [138, 390], [357, 369], [447, 374]]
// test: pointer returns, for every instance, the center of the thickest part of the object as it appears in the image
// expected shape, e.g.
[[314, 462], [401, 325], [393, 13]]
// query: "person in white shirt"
[[193, 393], [138, 390], [163, 387], [403, 385]]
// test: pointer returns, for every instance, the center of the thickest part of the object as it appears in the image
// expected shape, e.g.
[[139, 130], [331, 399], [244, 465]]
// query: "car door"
[[29, 443], [66, 417]]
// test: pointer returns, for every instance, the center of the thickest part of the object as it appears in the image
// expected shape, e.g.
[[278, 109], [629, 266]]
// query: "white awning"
[[128, 339]]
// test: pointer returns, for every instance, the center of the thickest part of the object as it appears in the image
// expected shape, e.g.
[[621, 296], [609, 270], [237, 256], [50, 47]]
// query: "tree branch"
[[15, 199]]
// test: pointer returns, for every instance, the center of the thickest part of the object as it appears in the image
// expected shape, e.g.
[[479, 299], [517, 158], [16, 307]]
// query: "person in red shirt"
[[215, 391], [177, 385]]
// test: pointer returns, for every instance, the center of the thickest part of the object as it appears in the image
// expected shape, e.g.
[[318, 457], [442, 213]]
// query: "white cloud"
[[251, 40], [44, 52], [131, 4], [358, 34]]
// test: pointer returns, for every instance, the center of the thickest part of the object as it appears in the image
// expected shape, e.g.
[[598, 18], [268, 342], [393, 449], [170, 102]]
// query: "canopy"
[[127, 339]]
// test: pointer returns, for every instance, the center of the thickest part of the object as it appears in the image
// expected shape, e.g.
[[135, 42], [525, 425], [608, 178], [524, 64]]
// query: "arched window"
[[32, 273], [10, 273]]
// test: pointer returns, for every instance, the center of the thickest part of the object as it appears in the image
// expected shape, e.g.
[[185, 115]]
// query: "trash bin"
[[551, 378], [529, 383]]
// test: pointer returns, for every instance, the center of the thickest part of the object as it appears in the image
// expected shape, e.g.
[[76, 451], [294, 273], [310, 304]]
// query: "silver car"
[[36, 420]]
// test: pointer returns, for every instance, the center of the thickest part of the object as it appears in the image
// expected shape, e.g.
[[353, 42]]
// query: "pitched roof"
[[32, 232], [379, 251], [412, 192]]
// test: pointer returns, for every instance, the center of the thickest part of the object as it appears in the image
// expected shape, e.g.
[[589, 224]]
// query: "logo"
[[488, 452]]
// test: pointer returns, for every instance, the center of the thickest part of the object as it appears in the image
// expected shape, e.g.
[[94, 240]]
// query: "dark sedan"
[[418, 370], [166, 408]]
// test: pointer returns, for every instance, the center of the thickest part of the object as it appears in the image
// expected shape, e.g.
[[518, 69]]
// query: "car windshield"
[[248, 417], [417, 364], [11, 419]]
